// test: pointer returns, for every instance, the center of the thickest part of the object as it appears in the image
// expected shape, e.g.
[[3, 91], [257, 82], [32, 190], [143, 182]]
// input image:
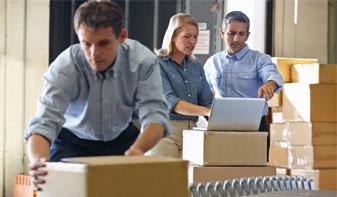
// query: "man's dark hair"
[[96, 14], [235, 16]]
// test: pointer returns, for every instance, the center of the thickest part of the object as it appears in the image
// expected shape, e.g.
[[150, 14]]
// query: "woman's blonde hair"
[[173, 28]]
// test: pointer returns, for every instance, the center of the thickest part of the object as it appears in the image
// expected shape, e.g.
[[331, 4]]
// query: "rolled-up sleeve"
[[268, 71], [57, 92], [168, 91], [151, 103]]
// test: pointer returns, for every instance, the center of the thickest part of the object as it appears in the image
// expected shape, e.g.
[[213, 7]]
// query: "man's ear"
[[248, 35], [123, 35], [222, 33]]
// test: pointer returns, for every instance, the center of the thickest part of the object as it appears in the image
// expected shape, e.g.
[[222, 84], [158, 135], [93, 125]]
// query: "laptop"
[[235, 114]]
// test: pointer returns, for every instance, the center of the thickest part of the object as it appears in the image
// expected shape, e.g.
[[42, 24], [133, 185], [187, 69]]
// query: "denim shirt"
[[241, 74], [99, 106], [184, 82]]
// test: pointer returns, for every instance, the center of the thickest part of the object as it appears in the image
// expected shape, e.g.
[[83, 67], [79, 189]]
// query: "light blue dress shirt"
[[241, 74], [99, 106], [184, 82]]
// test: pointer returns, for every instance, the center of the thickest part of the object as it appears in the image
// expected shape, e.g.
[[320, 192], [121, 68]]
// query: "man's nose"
[[236, 37], [94, 51]]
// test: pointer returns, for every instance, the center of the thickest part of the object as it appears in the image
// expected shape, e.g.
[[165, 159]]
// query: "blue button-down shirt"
[[184, 82], [241, 74], [99, 106]]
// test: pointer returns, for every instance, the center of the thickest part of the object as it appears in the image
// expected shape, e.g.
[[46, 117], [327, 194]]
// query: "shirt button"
[[185, 70], [186, 81], [188, 95]]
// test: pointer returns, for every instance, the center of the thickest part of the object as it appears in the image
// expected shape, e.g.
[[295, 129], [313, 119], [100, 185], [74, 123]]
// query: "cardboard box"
[[282, 172], [304, 133], [312, 157], [117, 176], [309, 102], [277, 115], [314, 73], [325, 179], [214, 148], [23, 186], [302, 157], [278, 132], [278, 154], [284, 65], [200, 174], [276, 101]]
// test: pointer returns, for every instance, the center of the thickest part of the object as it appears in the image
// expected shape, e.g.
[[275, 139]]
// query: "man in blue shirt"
[[239, 71], [91, 91]]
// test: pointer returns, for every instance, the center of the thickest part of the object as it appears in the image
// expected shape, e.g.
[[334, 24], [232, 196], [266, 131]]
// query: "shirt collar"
[[112, 70], [238, 55], [105, 74], [169, 58]]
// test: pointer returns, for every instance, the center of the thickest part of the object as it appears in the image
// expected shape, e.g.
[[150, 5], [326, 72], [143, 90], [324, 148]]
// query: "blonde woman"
[[184, 83]]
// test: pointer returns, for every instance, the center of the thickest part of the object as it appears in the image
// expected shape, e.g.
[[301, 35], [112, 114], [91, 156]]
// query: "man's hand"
[[267, 90], [134, 151], [37, 173], [208, 112], [38, 148]]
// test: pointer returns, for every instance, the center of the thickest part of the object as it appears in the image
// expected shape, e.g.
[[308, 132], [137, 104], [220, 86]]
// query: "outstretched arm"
[[189, 109], [38, 148], [147, 139]]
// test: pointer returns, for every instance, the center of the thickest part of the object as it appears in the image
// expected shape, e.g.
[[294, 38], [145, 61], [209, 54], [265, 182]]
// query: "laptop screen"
[[236, 114]]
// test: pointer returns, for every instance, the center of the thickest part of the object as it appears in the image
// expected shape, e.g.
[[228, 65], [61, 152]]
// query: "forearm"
[[38, 147], [189, 109], [151, 134]]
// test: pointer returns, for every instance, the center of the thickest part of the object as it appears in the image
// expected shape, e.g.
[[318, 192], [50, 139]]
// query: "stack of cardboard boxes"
[[217, 156], [304, 128]]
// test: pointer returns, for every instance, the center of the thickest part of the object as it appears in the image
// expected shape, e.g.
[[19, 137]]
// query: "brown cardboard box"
[[212, 148], [312, 157], [282, 172], [284, 65], [304, 133], [200, 174], [325, 179], [276, 101], [314, 73], [120, 176], [302, 157], [278, 154], [278, 132], [277, 115], [309, 102]]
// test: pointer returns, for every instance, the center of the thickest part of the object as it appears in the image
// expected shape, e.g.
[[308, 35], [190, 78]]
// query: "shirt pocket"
[[248, 82]]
